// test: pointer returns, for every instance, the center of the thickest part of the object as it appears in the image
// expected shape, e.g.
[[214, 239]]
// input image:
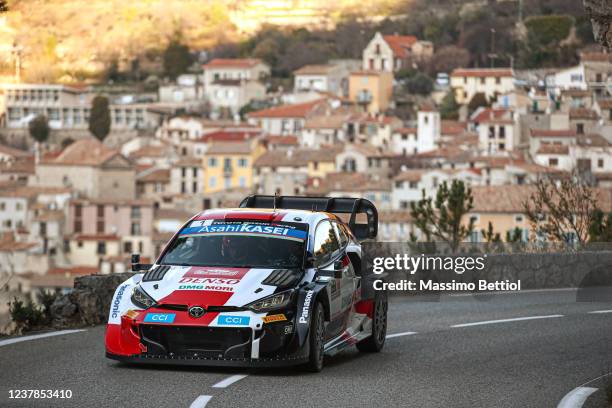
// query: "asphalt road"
[[447, 362]]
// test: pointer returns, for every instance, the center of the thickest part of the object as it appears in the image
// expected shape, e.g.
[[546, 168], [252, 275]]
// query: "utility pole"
[[492, 55], [520, 11]]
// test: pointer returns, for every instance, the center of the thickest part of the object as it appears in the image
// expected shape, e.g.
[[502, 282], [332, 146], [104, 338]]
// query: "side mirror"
[[137, 266]]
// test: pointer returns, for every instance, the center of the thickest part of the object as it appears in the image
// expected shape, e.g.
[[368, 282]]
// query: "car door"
[[350, 281], [327, 258]]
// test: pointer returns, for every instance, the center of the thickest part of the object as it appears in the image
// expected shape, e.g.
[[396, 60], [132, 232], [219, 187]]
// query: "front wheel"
[[376, 341], [316, 340]]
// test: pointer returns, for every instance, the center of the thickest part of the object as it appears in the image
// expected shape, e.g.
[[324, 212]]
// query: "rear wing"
[[352, 206]]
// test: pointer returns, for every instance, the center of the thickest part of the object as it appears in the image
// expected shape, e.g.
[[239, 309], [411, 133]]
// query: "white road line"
[[229, 381], [576, 397], [390, 336], [37, 336], [201, 401], [516, 319], [600, 311]]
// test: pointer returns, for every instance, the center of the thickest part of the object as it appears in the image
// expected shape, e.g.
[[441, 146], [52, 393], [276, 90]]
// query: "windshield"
[[238, 244]]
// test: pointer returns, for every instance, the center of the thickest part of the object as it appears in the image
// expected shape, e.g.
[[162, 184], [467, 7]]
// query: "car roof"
[[265, 215]]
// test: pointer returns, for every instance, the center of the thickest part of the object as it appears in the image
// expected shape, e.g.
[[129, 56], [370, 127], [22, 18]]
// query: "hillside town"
[[73, 204]]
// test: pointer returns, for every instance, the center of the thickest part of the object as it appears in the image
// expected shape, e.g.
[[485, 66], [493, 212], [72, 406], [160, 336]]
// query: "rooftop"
[[237, 63], [400, 44], [300, 110], [483, 72]]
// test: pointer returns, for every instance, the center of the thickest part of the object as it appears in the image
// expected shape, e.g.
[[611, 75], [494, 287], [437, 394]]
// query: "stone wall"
[[89, 302]]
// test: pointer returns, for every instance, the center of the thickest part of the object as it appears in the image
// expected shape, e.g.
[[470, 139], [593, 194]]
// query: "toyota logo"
[[196, 311]]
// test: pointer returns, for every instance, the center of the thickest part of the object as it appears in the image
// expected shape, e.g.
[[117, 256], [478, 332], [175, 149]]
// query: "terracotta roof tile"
[[553, 133], [483, 72], [84, 152], [582, 113], [400, 44], [240, 63], [549, 148], [300, 110]]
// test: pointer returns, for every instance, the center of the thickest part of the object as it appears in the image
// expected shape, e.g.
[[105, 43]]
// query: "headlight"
[[141, 299], [278, 301]]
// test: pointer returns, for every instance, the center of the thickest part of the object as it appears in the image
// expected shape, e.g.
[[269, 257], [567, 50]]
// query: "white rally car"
[[275, 282]]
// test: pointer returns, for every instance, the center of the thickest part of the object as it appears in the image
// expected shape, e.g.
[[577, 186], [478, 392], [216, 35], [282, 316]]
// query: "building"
[[186, 176], [152, 183], [233, 83], [248, 69], [496, 128], [467, 82], [101, 229], [393, 52], [321, 78], [287, 172], [372, 90], [68, 107], [229, 165], [90, 169], [287, 119]]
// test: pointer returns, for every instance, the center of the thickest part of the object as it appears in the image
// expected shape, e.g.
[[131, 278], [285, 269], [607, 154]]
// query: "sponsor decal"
[[219, 281], [159, 318], [306, 307], [214, 284], [196, 311], [214, 272], [288, 329], [274, 318], [229, 320], [117, 301], [245, 229]]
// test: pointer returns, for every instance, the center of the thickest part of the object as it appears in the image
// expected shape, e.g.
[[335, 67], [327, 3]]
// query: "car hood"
[[215, 286]]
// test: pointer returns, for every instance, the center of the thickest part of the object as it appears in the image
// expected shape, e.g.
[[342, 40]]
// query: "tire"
[[316, 340], [376, 341]]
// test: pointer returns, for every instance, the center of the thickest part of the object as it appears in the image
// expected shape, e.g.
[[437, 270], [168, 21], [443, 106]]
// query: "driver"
[[235, 248]]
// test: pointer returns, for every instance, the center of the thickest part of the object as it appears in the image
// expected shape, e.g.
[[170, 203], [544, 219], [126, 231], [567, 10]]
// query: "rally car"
[[278, 281]]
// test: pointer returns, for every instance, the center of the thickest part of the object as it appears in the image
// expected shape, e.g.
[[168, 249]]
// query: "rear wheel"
[[316, 339], [376, 341]]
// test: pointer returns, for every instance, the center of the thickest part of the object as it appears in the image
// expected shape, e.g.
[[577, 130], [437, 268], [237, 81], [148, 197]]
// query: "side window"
[[341, 233], [325, 243]]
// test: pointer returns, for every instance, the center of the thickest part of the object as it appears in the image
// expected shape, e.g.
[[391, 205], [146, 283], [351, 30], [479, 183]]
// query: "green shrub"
[[25, 315]]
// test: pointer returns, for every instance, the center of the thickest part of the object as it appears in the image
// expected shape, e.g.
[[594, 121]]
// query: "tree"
[[99, 118], [562, 212], [442, 218], [600, 229], [479, 99], [177, 58], [448, 58], [489, 235], [419, 84], [514, 236], [39, 128], [449, 108]]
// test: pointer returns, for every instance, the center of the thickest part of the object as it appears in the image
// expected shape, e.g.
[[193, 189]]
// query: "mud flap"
[[305, 308]]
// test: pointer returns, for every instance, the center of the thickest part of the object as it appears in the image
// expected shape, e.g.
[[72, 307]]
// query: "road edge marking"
[[576, 397], [515, 319], [600, 311], [390, 336], [38, 336], [229, 381], [201, 401]]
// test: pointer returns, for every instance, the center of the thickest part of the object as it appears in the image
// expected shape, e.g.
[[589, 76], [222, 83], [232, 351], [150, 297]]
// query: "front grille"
[[187, 341], [184, 308]]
